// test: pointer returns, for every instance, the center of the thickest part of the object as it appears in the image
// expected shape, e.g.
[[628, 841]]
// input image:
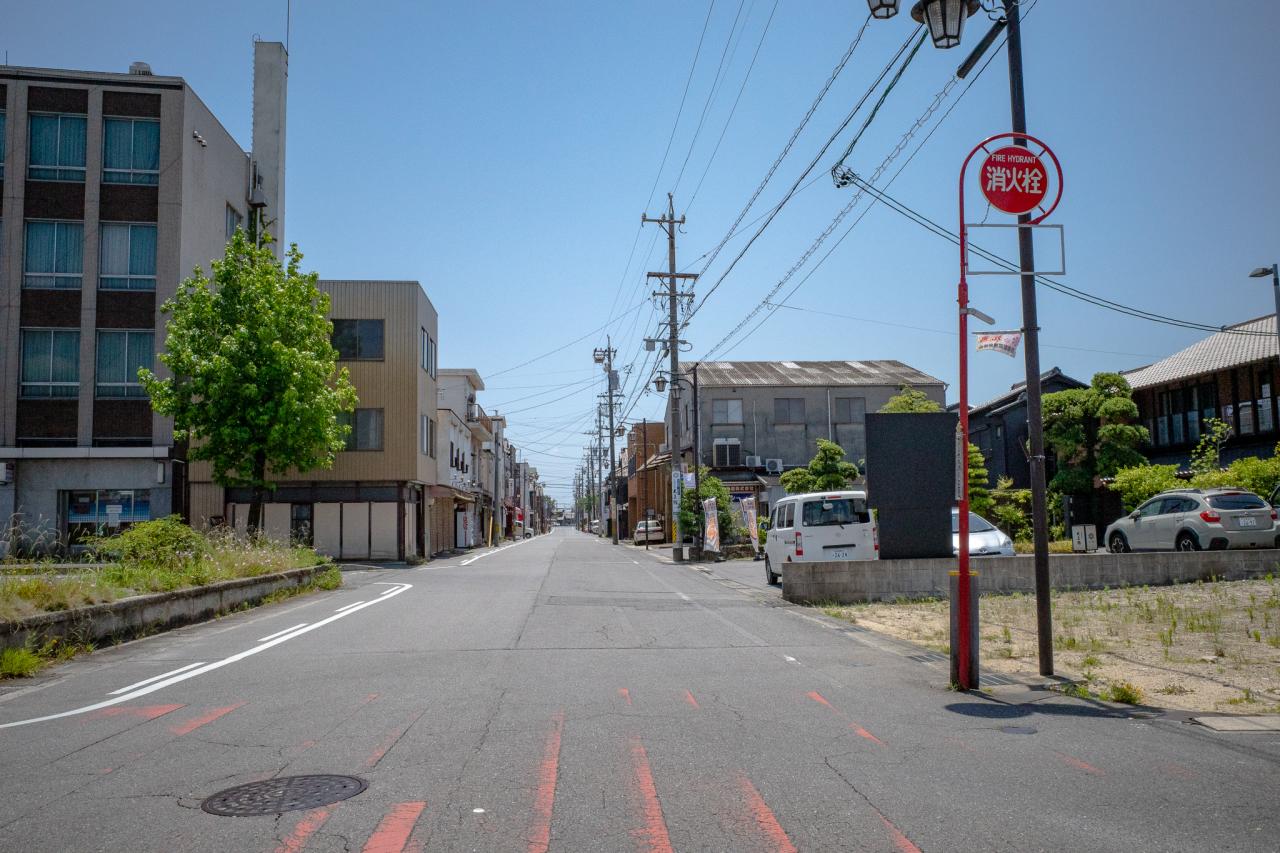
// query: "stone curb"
[[159, 611]]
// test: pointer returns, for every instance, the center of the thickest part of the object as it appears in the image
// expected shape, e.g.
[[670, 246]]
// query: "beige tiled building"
[[374, 503]]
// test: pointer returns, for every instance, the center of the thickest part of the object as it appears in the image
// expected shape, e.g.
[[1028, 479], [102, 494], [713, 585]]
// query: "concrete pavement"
[[566, 694]]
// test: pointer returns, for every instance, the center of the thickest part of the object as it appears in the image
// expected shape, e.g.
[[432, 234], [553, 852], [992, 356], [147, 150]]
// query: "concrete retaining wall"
[[160, 611], [886, 580]]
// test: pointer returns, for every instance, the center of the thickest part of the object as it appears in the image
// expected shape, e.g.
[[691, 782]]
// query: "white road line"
[[637, 562], [789, 659], [157, 677], [349, 606], [209, 667], [285, 631], [494, 551], [386, 592]]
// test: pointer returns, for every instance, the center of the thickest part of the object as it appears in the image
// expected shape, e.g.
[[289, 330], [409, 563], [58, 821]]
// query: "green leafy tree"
[[826, 471], [255, 386], [909, 401], [1094, 433], [1208, 453], [980, 500], [690, 515]]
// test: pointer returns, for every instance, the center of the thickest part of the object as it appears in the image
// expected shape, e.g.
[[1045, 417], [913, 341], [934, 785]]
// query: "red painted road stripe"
[[303, 830], [904, 844], [765, 818], [191, 725], [390, 740], [625, 694], [859, 730], [548, 773], [1079, 765], [654, 832], [393, 832], [688, 697], [146, 712]]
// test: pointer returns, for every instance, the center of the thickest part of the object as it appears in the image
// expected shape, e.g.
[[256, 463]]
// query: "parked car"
[[649, 531], [819, 528], [1192, 519], [985, 539]]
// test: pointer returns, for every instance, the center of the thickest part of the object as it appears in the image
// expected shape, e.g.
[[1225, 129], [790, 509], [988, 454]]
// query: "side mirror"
[[1134, 514]]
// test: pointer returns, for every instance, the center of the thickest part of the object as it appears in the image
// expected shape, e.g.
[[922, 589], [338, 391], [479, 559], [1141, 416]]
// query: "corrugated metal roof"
[[1220, 351], [765, 373]]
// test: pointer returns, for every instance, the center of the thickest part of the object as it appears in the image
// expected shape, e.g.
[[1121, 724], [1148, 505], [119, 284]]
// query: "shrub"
[[1123, 692], [165, 544], [1135, 485], [19, 663]]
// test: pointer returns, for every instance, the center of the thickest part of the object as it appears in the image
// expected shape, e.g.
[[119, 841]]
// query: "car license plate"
[[1248, 521], [840, 555]]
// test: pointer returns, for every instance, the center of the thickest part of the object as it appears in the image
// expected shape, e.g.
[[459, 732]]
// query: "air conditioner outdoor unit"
[[754, 462], [773, 466]]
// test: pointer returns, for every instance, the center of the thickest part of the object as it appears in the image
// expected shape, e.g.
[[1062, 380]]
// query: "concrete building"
[[113, 186], [1230, 375], [757, 419], [373, 504], [458, 494]]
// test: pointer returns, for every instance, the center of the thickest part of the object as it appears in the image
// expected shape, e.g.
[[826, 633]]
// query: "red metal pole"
[[962, 583]]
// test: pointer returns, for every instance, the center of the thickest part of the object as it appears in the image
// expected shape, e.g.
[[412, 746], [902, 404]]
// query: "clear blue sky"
[[502, 153]]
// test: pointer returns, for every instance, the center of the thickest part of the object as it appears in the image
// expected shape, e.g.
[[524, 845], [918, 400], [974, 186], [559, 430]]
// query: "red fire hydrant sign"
[[1014, 180]]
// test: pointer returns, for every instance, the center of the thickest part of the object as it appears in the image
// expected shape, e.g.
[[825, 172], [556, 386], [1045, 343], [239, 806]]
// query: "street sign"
[[1014, 180]]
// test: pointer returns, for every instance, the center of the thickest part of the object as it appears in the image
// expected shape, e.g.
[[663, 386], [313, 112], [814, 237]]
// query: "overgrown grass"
[[1056, 546], [19, 663], [156, 556]]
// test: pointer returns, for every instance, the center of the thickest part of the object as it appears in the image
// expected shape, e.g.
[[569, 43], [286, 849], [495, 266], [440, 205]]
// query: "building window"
[[2, 149], [788, 410], [234, 220], [726, 411], [1162, 419], [1266, 421], [120, 356], [57, 147], [428, 354], [366, 429], [358, 340], [127, 257], [92, 512], [849, 410], [130, 151], [726, 453], [431, 426], [54, 255], [50, 362], [424, 437]]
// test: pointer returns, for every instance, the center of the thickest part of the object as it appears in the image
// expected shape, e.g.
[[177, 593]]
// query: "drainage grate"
[[1018, 730], [283, 794], [927, 657]]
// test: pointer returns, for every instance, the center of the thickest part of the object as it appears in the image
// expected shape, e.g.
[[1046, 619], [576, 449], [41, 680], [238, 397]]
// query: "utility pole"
[[1031, 330], [669, 223], [644, 476], [605, 357]]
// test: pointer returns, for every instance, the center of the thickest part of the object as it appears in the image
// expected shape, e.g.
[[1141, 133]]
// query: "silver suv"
[[1192, 519]]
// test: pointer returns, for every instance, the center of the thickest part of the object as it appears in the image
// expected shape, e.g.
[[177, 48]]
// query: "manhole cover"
[[1018, 730], [283, 794]]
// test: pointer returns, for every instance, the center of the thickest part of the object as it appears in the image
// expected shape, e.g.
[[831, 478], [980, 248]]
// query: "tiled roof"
[[1016, 392], [766, 373], [1220, 351]]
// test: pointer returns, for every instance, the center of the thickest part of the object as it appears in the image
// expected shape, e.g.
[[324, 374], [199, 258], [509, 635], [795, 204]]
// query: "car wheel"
[[1186, 541], [769, 576], [1117, 544]]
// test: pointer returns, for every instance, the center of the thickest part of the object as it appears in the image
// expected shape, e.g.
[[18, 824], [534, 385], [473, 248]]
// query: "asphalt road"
[[566, 694]]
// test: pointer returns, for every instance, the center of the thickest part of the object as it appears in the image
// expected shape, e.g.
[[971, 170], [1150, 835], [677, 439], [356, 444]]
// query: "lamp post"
[[945, 20], [1274, 272]]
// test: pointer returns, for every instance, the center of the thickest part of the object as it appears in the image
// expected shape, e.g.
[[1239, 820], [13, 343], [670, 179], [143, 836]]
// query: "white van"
[[820, 527]]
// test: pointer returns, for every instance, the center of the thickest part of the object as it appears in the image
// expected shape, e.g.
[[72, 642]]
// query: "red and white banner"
[[1003, 342], [711, 530]]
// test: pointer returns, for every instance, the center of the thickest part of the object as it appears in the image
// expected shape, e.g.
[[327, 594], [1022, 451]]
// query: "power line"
[[635, 307]]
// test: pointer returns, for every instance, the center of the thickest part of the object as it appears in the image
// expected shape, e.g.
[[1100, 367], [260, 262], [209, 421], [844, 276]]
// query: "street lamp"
[[883, 8], [945, 19], [1274, 272]]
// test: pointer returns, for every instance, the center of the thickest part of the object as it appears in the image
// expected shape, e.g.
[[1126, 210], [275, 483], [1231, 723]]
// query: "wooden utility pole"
[[669, 223], [605, 357]]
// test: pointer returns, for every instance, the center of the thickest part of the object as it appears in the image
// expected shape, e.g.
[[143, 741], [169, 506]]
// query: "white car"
[[820, 527], [985, 539], [649, 531]]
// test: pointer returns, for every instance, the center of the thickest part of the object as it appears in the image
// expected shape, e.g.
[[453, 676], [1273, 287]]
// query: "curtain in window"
[[114, 256], [66, 361], [35, 357], [141, 354], [43, 141], [71, 144], [39, 249], [112, 348], [142, 250], [117, 144], [146, 148], [69, 250]]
